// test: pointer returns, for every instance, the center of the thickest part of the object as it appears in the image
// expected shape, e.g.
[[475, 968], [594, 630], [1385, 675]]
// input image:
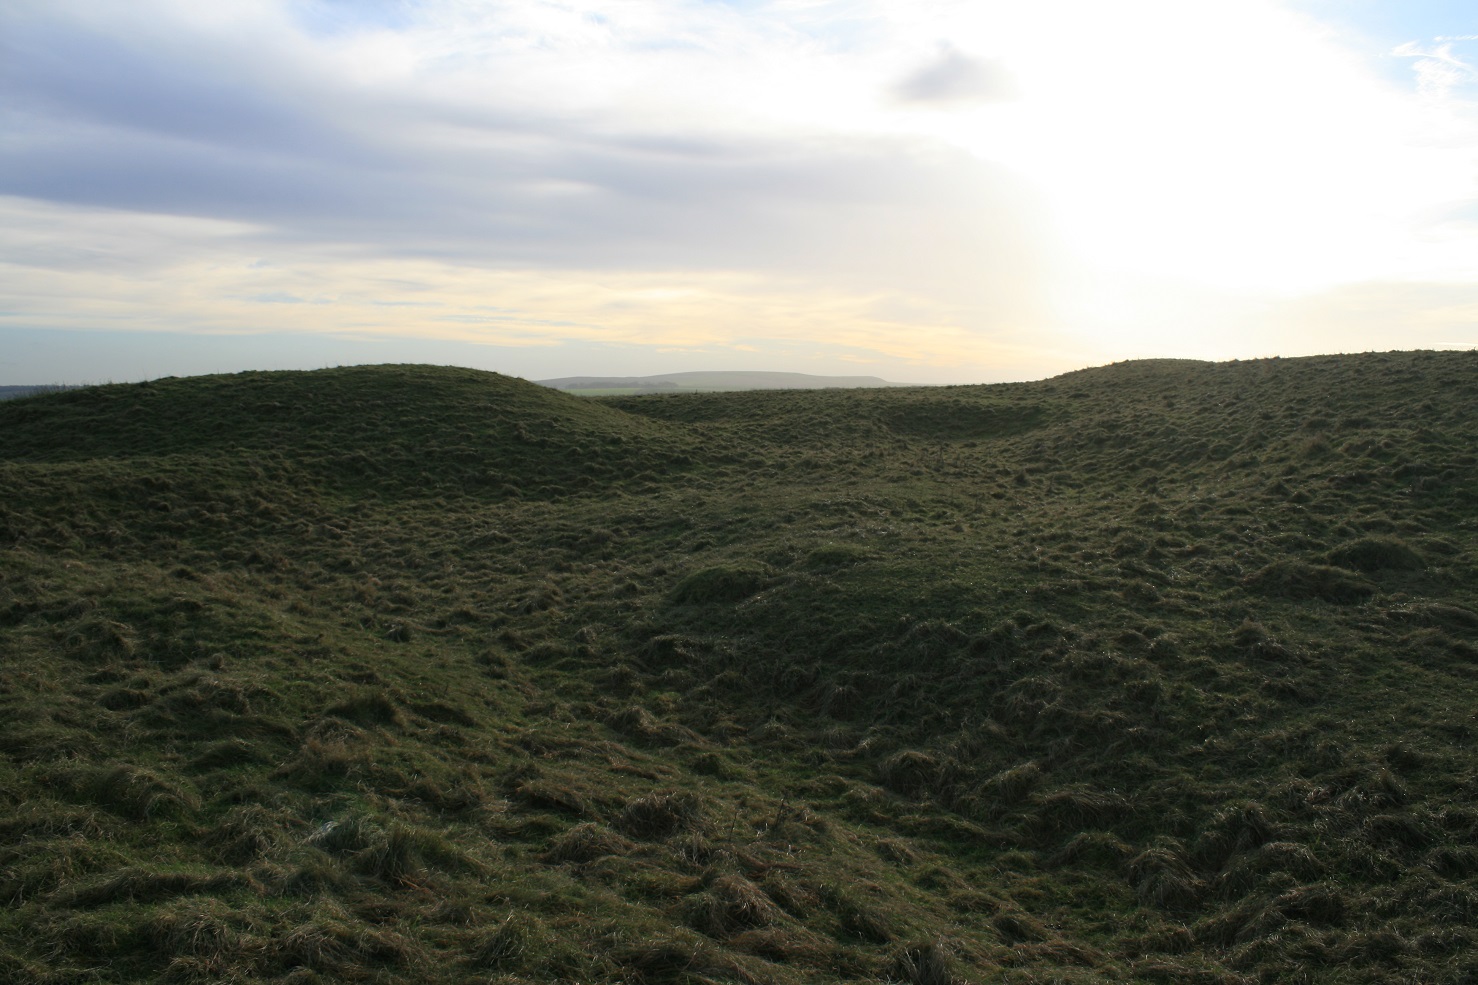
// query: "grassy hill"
[[1157, 672]]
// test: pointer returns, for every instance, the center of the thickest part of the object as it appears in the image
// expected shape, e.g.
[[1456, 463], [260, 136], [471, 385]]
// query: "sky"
[[922, 190]]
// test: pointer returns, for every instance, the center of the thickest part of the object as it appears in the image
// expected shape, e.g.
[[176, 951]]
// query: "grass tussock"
[[1162, 877], [661, 815], [587, 842], [724, 584], [1375, 554], [247, 833], [928, 964], [730, 904], [133, 792], [521, 943], [1320, 582], [141, 885]]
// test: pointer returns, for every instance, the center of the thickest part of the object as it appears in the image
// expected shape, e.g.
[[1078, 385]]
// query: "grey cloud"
[[193, 91], [202, 126], [955, 77]]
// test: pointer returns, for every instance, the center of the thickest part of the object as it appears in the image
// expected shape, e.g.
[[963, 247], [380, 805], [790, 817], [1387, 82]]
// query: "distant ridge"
[[11, 392], [716, 381]]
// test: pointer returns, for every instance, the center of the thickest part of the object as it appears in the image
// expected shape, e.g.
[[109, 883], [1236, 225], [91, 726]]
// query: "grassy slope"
[[1159, 672]]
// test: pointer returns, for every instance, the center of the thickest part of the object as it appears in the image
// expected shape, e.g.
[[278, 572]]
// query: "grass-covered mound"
[[1158, 672]]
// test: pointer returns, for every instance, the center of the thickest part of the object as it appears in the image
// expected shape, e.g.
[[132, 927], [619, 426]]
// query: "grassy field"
[[1157, 672]]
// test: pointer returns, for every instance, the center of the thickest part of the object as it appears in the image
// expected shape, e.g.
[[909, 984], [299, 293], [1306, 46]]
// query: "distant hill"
[[716, 381], [11, 392]]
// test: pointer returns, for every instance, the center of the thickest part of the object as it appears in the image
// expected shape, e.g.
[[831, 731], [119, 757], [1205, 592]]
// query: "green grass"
[[1160, 671]]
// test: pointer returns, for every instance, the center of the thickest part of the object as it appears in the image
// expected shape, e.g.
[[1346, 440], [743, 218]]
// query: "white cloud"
[[1440, 74], [507, 133]]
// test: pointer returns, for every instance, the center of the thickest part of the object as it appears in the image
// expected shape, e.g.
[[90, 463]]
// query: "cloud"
[[1144, 317], [199, 274], [485, 148], [955, 77], [1358, 317], [1439, 72]]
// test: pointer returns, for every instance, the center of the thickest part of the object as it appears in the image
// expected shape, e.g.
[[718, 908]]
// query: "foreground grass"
[[1156, 672]]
